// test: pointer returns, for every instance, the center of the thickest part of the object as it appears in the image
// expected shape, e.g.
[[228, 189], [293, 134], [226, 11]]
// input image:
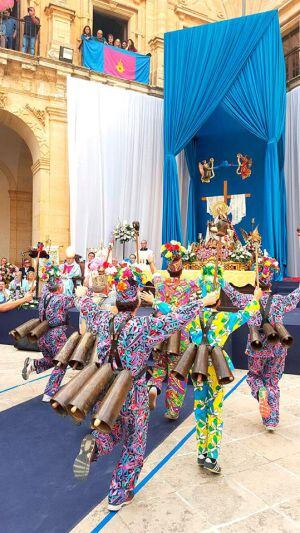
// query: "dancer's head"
[[127, 280], [267, 268], [173, 252], [208, 283]]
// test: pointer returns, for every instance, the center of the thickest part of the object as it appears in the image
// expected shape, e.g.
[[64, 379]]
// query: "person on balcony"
[[110, 39], [130, 46], [99, 37], [85, 36], [124, 45], [31, 30], [2, 34], [117, 43], [11, 29]]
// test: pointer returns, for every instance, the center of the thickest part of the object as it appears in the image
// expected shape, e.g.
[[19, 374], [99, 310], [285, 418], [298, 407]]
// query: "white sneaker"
[[270, 428], [152, 398], [46, 398], [27, 368]]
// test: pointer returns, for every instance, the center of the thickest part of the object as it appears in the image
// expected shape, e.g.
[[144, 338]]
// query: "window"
[[109, 24]]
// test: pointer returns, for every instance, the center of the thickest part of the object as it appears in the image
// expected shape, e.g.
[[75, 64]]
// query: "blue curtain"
[[191, 158], [200, 65], [257, 99]]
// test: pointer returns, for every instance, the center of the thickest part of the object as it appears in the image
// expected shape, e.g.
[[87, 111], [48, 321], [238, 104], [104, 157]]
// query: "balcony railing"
[[25, 38], [292, 62]]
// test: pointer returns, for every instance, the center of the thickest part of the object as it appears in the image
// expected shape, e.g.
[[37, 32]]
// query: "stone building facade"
[[34, 200]]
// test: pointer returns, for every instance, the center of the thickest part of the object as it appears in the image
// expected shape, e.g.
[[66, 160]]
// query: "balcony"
[[292, 61], [46, 77]]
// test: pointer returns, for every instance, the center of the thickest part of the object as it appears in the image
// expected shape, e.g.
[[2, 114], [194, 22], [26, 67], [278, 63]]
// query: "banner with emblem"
[[116, 62]]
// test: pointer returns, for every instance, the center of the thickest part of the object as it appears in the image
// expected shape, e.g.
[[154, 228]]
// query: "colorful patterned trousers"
[[50, 344], [208, 403], [131, 427], [266, 371], [176, 388]]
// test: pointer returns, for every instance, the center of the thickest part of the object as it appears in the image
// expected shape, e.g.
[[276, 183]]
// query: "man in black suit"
[[26, 268]]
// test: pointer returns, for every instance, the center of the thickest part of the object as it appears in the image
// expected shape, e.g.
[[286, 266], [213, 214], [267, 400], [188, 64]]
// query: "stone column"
[[20, 223], [60, 20], [59, 228]]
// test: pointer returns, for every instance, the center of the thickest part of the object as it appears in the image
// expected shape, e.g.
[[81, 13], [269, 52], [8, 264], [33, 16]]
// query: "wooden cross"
[[225, 193]]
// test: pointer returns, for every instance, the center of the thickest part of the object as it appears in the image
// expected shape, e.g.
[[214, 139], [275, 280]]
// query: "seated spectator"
[[4, 293], [132, 259], [11, 29], [13, 304], [130, 46], [31, 282], [18, 286], [124, 45], [99, 37], [31, 30], [90, 257], [70, 271], [117, 43], [26, 268], [110, 39]]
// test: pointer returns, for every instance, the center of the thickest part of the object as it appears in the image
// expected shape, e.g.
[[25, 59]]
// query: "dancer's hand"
[[147, 297], [211, 298], [28, 297], [81, 291], [257, 294]]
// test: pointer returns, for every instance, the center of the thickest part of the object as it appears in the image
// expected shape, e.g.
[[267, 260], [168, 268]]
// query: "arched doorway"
[[16, 186]]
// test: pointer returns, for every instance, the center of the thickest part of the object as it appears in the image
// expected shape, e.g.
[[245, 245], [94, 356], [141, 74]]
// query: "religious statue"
[[206, 170], [244, 165]]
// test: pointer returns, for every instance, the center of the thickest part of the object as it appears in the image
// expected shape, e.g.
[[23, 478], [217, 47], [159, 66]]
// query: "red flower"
[[105, 264]]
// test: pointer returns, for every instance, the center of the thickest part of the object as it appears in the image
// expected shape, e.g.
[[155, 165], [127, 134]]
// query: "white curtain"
[[184, 183], [292, 178], [115, 163]]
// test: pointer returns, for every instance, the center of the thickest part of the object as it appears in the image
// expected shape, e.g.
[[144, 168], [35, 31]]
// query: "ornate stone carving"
[[36, 126], [38, 113], [3, 100]]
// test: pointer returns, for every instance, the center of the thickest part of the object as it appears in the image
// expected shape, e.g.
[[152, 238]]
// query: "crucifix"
[[226, 196]]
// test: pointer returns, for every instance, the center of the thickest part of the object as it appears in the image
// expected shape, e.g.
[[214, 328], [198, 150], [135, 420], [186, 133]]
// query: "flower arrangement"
[[240, 255], [49, 271], [189, 256], [124, 232], [6, 272], [173, 249]]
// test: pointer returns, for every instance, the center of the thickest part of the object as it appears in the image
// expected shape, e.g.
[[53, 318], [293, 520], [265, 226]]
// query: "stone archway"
[[23, 155]]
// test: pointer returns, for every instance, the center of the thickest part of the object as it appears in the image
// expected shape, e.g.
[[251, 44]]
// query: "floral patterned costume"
[[135, 343], [267, 365], [53, 340], [175, 292], [208, 397]]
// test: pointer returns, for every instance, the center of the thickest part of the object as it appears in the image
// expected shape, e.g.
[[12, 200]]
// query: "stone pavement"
[[259, 488]]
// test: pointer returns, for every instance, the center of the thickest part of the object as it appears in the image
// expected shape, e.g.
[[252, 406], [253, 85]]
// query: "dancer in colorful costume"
[[175, 292], [208, 394], [137, 337], [53, 307], [266, 366]]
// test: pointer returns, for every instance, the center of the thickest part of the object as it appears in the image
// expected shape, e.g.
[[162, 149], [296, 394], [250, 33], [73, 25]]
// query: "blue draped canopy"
[[237, 65]]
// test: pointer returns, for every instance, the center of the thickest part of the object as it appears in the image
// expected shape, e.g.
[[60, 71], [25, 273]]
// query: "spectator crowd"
[[16, 281], [10, 27], [110, 39]]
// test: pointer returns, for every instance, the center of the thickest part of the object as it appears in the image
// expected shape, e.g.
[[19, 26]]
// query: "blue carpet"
[[37, 489]]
